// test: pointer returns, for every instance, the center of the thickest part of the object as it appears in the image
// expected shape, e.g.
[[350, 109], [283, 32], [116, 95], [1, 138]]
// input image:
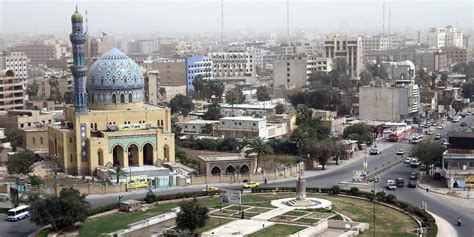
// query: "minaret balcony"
[[79, 70], [78, 38]]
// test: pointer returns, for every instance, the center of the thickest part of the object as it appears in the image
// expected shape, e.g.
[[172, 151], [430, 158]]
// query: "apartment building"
[[448, 36], [198, 65], [376, 43], [39, 53], [12, 95], [293, 71], [27, 119], [458, 160], [249, 127], [347, 48], [15, 61], [234, 67], [143, 46], [455, 55], [150, 89], [172, 73], [260, 109]]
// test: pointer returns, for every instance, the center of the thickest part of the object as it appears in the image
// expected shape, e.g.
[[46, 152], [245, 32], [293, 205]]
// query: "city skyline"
[[169, 18]]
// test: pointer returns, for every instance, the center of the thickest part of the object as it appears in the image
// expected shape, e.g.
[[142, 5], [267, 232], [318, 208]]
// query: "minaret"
[[78, 69]]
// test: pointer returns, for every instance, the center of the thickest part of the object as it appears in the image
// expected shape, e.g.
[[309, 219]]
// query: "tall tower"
[[78, 69]]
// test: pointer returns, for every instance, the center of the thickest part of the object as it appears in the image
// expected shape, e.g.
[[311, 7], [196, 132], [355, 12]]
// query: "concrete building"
[[39, 53], [376, 43], [188, 48], [225, 164], [249, 127], [293, 71], [346, 48], [198, 126], [403, 70], [152, 81], [15, 61], [65, 83], [167, 93], [458, 160], [28, 119], [12, 95], [143, 46], [36, 140], [260, 109], [198, 65], [167, 48], [234, 67], [299, 48], [455, 55], [395, 103], [172, 73], [448, 36], [430, 59]]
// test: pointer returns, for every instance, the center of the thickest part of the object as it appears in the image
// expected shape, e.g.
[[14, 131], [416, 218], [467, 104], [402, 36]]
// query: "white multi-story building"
[[143, 46], [448, 36], [345, 48], [396, 103], [293, 71], [234, 67], [376, 43], [15, 61], [404, 70], [249, 127], [261, 108]]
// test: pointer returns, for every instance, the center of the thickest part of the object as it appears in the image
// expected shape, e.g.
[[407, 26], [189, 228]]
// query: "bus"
[[137, 182], [18, 213]]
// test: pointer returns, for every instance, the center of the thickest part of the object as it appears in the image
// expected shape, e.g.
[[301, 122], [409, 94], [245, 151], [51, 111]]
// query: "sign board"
[[230, 197], [357, 175], [131, 127], [469, 182]]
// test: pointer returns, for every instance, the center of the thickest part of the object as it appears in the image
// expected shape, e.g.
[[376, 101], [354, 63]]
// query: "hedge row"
[[427, 221]]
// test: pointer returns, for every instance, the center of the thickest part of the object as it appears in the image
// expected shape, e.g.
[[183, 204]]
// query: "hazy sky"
[[194, 16]]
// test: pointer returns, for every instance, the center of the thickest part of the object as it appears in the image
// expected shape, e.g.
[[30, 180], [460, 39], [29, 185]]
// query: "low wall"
[[148, 227], [5, 188], [237, 178], [88, 188]]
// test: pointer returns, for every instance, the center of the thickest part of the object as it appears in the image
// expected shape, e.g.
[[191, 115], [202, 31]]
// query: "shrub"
[[354, 191], [381, 195], [390, 198], [100, 209], [335, 189], [150, 198]]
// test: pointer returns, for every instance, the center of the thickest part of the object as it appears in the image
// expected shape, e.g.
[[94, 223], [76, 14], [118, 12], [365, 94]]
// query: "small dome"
[[76, 17], [115, 76]]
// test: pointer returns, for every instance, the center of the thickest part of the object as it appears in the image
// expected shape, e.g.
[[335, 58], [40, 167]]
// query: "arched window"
[[41, 140], [92, 99], [130, 98], [122, 98], [34, 141], [114, 98]]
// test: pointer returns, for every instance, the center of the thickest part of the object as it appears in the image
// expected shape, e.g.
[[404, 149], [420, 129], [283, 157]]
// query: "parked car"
[[412, 184], [462, 124], [414, 163], [401, 152], [407, 160], [375, 150], [250, 185], [413, 176], [211, 189], [437, 136], [391, 184], [400, 182], [440, 127]]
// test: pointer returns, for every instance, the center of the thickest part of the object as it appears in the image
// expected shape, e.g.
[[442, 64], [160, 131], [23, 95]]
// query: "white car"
[[391, 185], [407, 160], [440, 127]]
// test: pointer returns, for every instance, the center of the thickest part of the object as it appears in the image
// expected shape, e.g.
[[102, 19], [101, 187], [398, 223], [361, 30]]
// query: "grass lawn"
[[306, 221], [114, 222], [44, 232], [259, 209], [277, 230], [296, 213], [212, 223]]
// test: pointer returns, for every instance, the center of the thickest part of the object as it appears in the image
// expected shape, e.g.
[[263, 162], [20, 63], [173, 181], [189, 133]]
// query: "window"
[[129, 98], [70, 140], [22, 125], [70, 157], [122, 98], [41, 140], [114, 98], [34, 141]]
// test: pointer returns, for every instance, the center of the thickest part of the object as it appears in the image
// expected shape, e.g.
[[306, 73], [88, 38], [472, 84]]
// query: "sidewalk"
[[444, 228], [439, 187]]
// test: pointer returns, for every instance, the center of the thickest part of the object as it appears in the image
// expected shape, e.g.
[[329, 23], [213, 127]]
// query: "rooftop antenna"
[[383, 18], [87, 24], [389, 19], [222, 20], [288, 19], [365, 20]]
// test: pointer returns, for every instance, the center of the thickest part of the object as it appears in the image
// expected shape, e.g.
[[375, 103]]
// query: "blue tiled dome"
[[115, 78]]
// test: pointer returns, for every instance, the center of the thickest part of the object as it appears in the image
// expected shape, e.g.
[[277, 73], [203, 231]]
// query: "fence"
[[88, 188]]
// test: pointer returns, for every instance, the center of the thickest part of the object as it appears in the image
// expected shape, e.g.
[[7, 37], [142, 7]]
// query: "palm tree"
[[298, 136], [260, 147], [118, 171]]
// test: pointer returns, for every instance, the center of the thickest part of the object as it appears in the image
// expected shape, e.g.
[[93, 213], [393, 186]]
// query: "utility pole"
[[222, 20], [288, 19], [383, 18]]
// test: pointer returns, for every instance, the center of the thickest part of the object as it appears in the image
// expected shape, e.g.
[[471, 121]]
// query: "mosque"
[[109, 125]]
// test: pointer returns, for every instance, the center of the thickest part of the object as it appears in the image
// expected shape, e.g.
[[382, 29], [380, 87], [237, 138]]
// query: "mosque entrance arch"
[[244, 169], [118, 155], [148, 154], [216, 170], [230, 169], [133, 155]]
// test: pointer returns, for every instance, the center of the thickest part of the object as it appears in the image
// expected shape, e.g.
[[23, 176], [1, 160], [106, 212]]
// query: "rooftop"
[[200, 121], [243, 118], [222, 158]]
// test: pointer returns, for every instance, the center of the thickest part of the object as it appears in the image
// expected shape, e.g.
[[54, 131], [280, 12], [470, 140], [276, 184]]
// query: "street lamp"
[[374, 180]]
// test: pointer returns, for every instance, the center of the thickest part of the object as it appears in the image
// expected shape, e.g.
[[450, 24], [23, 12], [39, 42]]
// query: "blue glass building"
[[197, 65]]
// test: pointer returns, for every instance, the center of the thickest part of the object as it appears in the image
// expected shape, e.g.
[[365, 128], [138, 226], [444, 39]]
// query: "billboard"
[[230, 197]]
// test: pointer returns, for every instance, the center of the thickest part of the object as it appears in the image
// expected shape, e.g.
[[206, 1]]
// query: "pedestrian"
[[265, 180], [459, 221], [427, 189]]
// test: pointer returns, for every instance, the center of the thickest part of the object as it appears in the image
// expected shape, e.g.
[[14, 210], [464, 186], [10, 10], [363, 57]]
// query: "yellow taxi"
[[250, 185]]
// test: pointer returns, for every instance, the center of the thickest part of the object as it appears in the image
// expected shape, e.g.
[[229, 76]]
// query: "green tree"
[[69, 97], [216, 88], [207, 129], [321, 151], [60, 212], [183, 157], [235, 96], [54, 93], [303, 115], [182, 104], [359, 132], [365, 78], [446, 100], [15, 138], [213, 112], [32, 89], [280, 108], [260, 147], [428, 152], [191, 216], [262, 94], [21, 162], [199, 86], [118, 171], [36, 180], [468, 89]]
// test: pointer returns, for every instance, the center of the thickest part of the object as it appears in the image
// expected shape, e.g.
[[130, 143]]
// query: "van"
[[18, 213], [137, 182], [391, 184]]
